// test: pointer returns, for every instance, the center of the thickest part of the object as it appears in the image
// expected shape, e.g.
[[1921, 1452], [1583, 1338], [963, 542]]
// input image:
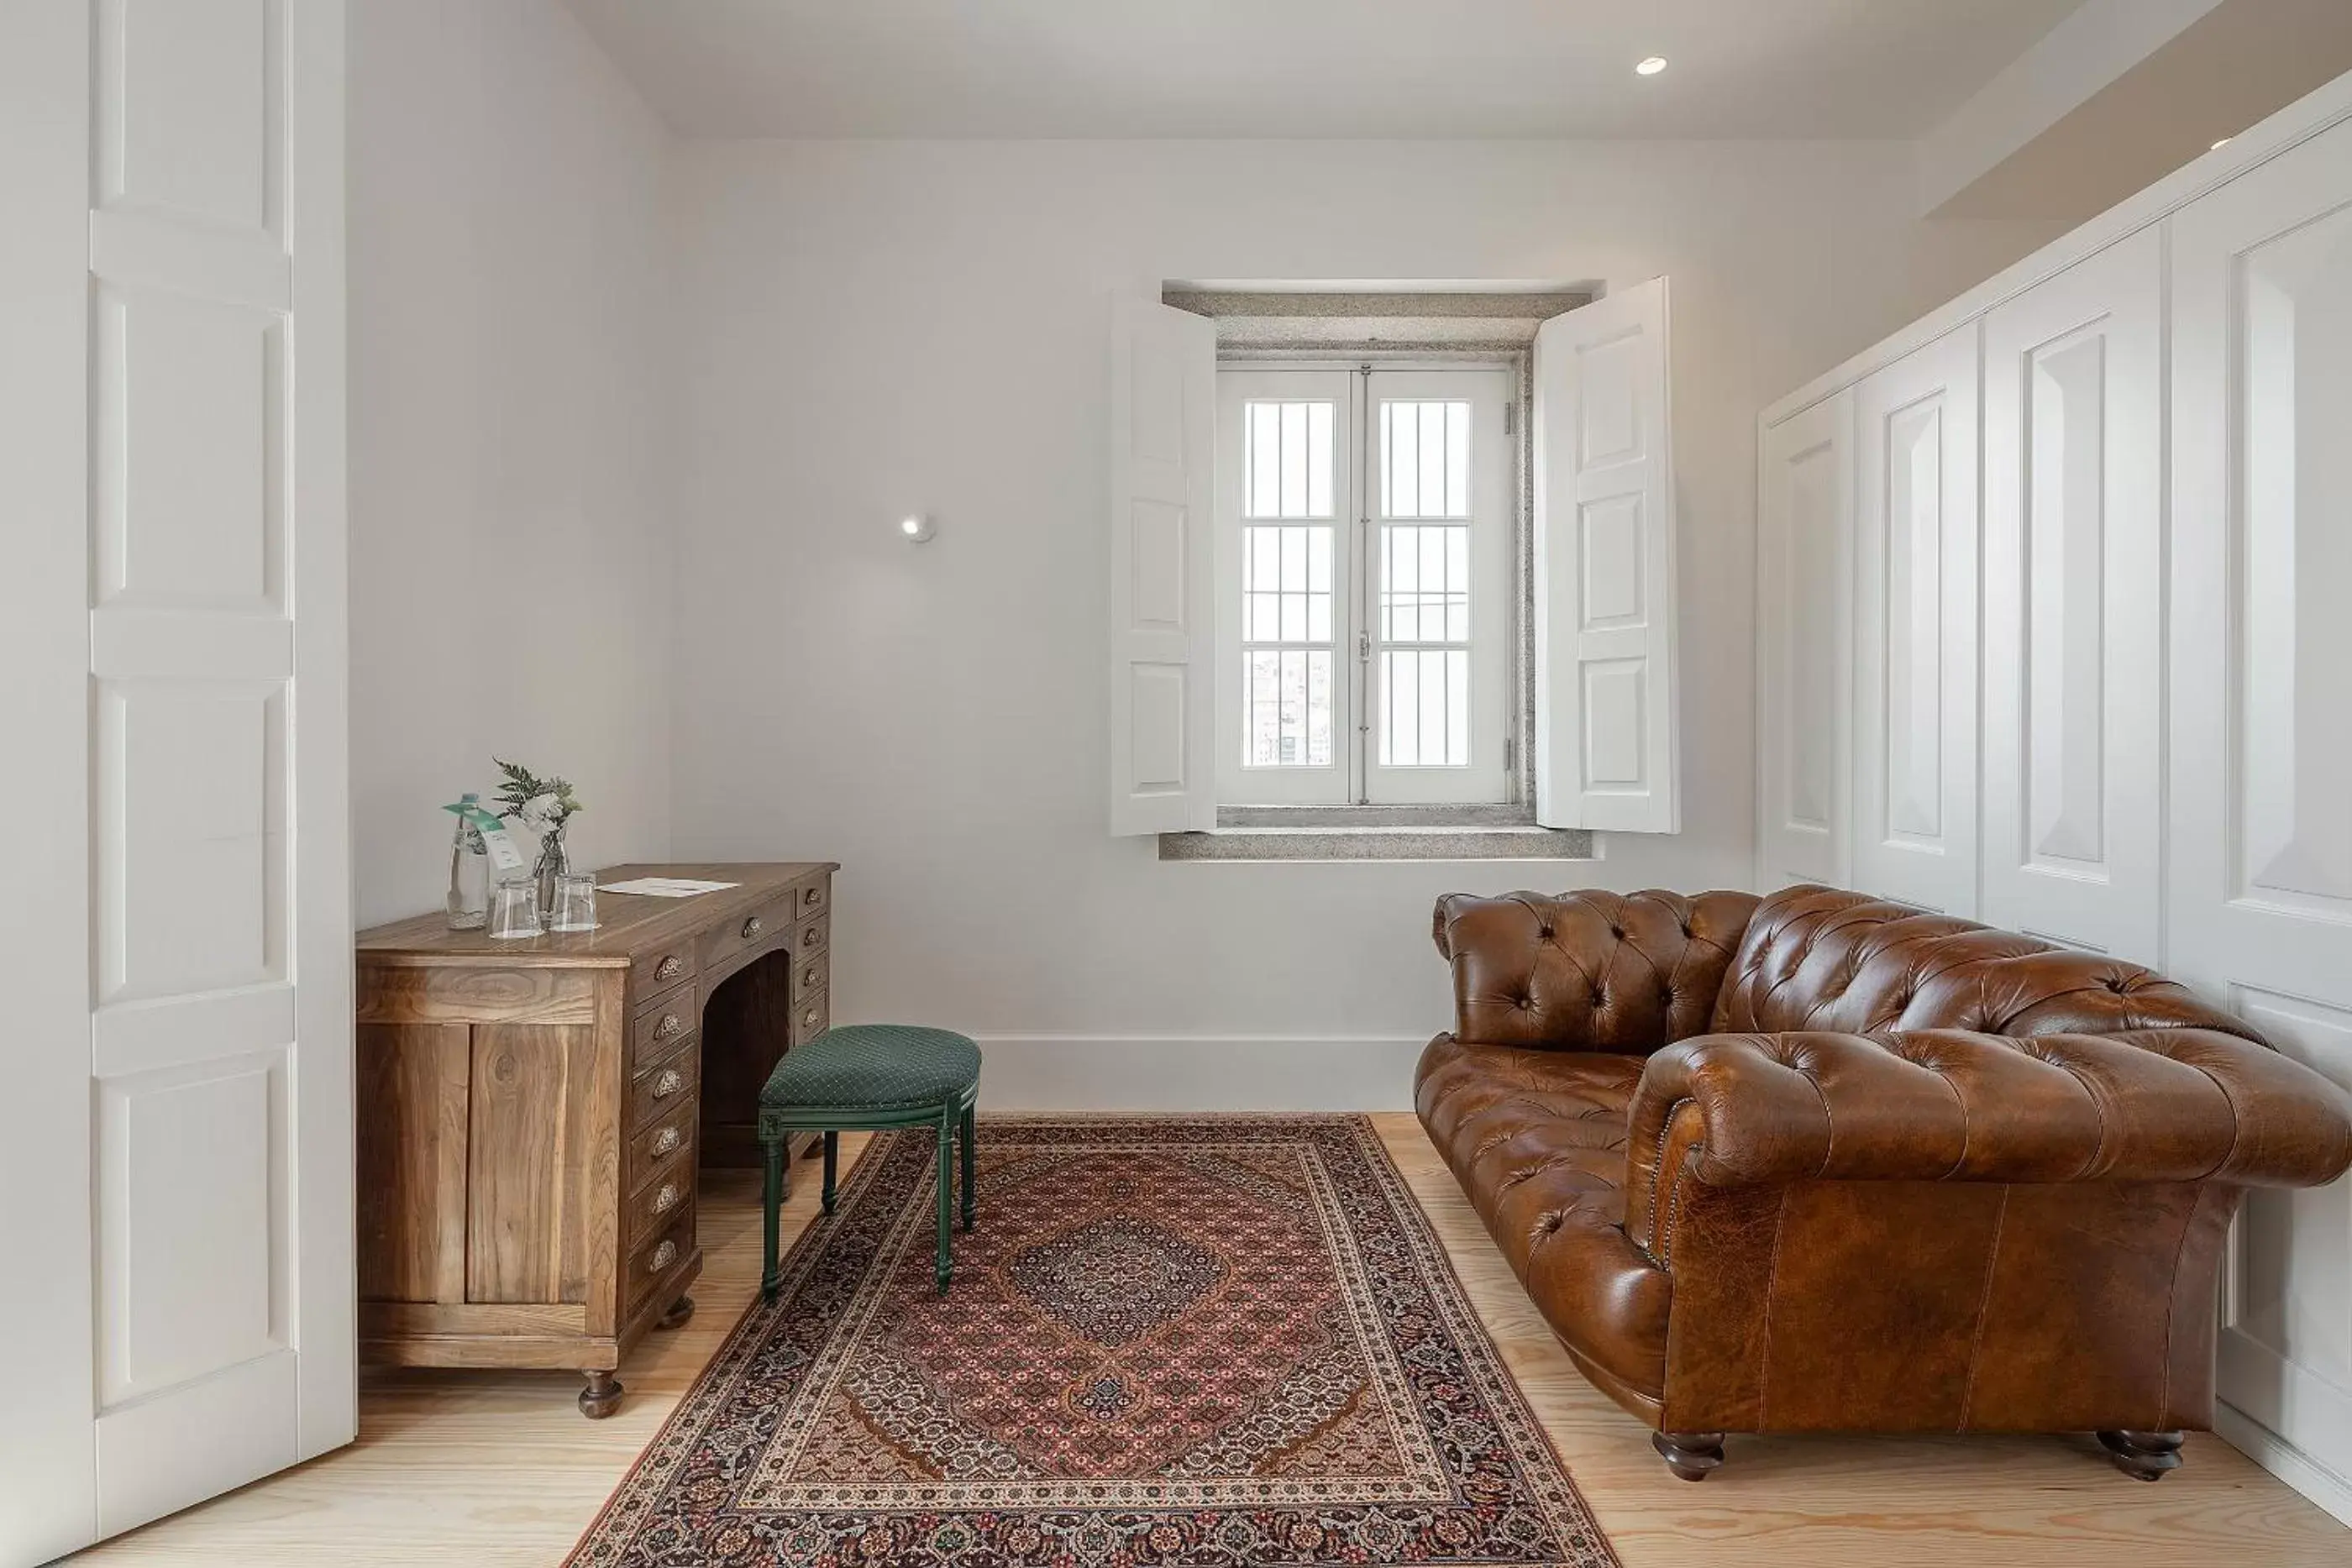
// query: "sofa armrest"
[[2160, 1104]]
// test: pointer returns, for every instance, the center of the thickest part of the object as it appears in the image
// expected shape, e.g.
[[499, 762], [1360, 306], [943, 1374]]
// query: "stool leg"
[[945, 1263], [831, 1156], [772, 1206], [970, 1194]]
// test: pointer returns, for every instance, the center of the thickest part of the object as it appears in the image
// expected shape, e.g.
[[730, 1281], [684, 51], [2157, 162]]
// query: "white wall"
[[509, 561], [866, 329]]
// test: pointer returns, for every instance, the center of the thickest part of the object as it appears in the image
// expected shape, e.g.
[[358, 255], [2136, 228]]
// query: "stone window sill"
[[1274, 834]]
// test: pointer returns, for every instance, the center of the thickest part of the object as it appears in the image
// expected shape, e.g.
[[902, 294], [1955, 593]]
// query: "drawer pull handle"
[[665, 1199], [810, 895], [668, 1139], [663, 1256], [670, 1024], [668, 1081], [667, 968], [752, 927], [808, 1019], [810, 937], [808, 977]]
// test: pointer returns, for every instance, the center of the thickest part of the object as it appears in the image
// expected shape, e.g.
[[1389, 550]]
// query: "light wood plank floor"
[[488, 1468]]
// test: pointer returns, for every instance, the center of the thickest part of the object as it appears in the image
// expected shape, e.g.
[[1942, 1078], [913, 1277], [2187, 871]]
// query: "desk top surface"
[[627, 924]]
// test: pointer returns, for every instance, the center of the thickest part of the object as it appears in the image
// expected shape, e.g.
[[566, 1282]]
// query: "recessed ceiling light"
[[1651, 66], [2223, 142]]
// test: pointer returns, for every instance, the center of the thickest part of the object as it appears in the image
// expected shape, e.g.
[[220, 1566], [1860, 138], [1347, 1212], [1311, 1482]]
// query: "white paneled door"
[[2074, 585], [180, 284], [1804, 553], [1914, 714], [2261, 720]]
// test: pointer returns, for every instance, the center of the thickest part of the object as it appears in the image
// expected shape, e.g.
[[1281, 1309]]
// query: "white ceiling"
[[1763, 69]]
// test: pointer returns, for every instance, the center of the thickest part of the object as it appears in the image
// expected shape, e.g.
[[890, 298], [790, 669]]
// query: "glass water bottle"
[[469, 868]]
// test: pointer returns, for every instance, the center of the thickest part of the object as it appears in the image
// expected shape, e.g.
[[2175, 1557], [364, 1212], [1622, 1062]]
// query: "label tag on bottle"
[[497, 843], [504, 854]]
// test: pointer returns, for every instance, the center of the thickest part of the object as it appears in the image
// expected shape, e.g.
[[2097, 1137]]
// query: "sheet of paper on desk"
[[665, 886]]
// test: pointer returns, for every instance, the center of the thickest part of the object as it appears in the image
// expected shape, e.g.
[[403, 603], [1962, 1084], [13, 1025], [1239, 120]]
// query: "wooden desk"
[[531, 1114]]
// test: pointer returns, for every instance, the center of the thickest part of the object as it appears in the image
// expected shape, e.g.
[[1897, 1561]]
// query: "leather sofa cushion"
[[1537, 1138], [1820, 958], [1589, 970]]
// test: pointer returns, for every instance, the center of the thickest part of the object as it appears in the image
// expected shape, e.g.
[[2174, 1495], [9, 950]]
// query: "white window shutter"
[[1604, 565], [1162, 562]]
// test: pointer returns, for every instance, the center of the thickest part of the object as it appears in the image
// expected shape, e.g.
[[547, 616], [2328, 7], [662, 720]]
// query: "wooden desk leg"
[[601, 1397]]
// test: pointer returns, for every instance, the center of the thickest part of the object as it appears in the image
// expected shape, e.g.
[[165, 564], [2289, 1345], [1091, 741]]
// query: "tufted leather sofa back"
[[1623, 973], [1820, 958]]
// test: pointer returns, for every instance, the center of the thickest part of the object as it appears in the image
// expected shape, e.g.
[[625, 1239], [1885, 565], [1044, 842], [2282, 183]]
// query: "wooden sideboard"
[[531, 1114]]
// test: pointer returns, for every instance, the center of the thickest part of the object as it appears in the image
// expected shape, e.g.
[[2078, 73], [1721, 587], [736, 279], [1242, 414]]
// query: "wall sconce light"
[[917, 527]]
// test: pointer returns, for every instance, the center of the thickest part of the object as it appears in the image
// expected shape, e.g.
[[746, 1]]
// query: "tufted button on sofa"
[[1822, 1162]]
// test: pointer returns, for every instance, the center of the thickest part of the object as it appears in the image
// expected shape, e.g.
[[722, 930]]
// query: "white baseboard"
[[1198, 1073], [2284, 1460]]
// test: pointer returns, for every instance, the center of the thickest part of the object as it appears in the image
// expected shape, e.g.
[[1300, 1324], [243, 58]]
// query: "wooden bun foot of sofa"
[[1691, 1455], [2143, 1456]]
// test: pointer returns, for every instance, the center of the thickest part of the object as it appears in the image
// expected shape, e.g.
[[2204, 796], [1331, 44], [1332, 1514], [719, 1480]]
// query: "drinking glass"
[[576, 903], [514, 908]]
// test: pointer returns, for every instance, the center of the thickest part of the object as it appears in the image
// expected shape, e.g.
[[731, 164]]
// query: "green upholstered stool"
[[867, 1077]]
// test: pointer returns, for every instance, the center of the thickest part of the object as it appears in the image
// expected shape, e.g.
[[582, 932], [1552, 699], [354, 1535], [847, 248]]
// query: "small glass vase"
[[553, 862]]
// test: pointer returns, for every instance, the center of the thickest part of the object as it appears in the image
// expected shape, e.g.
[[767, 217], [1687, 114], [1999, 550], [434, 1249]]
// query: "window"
[[1365, 524], [1352, 584]]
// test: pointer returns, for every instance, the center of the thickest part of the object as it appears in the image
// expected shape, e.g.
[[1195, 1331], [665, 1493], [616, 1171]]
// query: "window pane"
[[1457, 459], [1433, 709], [1404, 459], [1457, 709], [1319, 459], [1294, 460], [1318, 560], [1433, 460], [1263, 460], [1288, 459], [1318, 709]]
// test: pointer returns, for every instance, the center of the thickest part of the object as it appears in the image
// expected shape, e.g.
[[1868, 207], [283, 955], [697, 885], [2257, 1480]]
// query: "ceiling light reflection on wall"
[[1651, 66]]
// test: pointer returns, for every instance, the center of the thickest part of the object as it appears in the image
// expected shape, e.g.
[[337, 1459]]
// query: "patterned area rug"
[[1227, 1341]]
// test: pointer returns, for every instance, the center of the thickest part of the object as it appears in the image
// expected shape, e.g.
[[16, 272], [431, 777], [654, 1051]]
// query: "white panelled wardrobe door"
[[2261, 720], [1914, 716], [2073, 547], [220, 1013], [1803, 641]]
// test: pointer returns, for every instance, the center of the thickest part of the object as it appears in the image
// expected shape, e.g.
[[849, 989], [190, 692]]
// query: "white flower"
[[540, 814]]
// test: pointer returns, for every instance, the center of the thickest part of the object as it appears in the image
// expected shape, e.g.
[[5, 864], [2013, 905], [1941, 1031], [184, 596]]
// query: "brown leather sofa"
[[1822, 1162]]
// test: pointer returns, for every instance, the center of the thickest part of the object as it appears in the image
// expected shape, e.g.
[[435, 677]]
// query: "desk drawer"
[[660, 1143], [765, 928], [814, 934], [658, 1203], [812, 898], [664, 1086], [656, 1031], [661, 968], [810, 974], [655, 1259], [811, 1015]]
